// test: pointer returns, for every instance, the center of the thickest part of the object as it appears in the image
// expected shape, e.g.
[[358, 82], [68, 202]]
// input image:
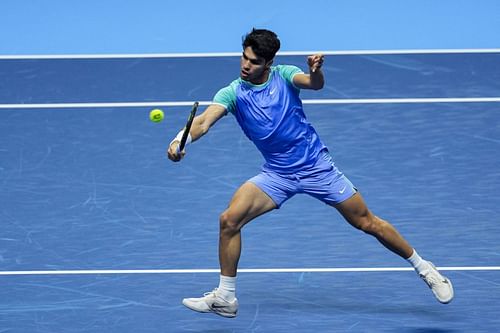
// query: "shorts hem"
[[278, 205]]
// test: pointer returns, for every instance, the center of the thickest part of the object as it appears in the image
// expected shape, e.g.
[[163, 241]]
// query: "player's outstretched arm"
[[315, 79], [201, 125]]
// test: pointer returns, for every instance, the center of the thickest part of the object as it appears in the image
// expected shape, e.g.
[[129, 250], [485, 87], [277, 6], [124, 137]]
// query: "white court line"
[[243, 270], [305, 101], [237, 54], [97, 105]]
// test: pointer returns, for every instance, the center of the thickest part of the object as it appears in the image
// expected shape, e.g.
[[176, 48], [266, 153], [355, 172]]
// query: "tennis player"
[[265, 101]]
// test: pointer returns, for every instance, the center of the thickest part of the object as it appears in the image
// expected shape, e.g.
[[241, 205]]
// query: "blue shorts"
[[323, 181]]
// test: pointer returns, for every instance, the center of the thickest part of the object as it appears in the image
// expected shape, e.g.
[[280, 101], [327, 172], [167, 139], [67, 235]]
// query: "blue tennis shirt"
[[272, 117]]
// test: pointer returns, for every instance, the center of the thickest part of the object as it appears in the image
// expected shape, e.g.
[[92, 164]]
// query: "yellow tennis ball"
[[156, 115]]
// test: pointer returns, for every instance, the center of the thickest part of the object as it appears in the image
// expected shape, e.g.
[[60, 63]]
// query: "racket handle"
[[184, 135]]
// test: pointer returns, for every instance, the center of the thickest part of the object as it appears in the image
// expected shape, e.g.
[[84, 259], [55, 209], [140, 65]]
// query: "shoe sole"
[[222, 314], [225, 315]]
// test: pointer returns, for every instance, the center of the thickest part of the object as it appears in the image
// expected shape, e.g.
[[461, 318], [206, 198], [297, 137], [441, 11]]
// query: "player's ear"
[[269, 63]]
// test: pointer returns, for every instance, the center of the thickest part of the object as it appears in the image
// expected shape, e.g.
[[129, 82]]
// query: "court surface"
[[100, 232]]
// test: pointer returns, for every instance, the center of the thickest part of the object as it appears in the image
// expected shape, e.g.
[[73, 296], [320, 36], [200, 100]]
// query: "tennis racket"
[[188, 127]]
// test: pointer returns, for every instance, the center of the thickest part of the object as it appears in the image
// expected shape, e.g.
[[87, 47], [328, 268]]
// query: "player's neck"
[[263, 78]]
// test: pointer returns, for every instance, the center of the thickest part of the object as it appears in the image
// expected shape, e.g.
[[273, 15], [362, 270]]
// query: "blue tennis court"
[[102, 233]]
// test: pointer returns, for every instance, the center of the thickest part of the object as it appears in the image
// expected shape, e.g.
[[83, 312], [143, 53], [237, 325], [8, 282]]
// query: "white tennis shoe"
[[210, 302], [440, 285]]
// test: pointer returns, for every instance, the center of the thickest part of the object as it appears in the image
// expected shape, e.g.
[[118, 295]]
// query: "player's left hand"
[[315, 62]]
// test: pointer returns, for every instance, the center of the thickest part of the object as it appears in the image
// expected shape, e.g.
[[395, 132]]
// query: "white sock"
[[227, 288], [417, 262]]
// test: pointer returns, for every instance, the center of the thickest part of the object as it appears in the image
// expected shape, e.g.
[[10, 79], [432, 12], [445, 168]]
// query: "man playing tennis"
[[265, 101]]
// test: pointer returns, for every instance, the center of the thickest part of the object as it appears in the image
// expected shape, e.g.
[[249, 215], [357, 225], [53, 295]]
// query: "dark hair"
[[264, 43]]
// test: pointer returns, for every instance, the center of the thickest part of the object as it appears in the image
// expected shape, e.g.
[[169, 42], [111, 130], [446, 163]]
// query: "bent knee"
[[371, 224], [228, 224]]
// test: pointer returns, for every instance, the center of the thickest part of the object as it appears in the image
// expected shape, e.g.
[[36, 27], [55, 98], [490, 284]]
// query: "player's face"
[[253, 67]]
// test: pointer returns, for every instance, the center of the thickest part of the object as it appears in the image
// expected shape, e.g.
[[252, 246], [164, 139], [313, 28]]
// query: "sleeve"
[[288, 72], [226, 97]]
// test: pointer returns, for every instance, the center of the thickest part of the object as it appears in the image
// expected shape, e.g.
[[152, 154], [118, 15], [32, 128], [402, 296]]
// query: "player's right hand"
[[173, 152], [315, 62]]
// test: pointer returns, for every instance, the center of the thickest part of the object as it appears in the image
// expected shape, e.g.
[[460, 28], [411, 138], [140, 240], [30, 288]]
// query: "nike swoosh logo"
[[343, 190], [272, 91], [221, 309]]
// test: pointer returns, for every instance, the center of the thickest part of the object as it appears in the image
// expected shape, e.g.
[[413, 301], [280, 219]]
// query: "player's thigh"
[[247, 203]]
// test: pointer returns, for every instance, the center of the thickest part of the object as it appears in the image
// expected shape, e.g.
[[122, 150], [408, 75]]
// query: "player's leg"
[[248, 202], [325, 182], [358, 215]]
